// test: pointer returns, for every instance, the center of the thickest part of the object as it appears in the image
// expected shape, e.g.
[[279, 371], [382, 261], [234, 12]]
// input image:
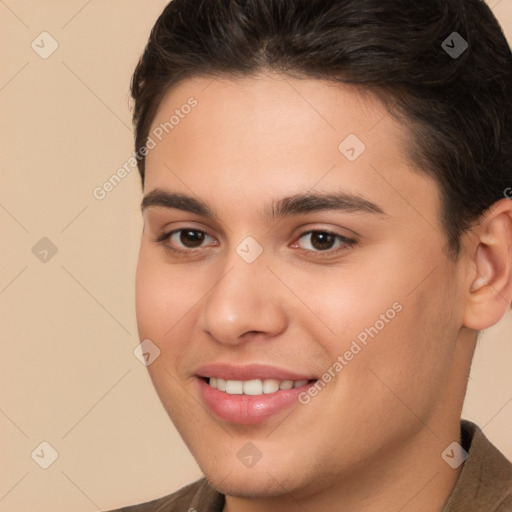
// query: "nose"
[[243, 304]]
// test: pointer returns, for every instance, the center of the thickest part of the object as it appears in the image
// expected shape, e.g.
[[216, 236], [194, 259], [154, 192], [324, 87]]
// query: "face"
[[288, 238]]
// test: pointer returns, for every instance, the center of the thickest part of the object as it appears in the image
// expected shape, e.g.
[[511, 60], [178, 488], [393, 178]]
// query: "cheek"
[[384, 323], [150, 299], [340, 304], [406, 366], [163, 300], [165, 294]]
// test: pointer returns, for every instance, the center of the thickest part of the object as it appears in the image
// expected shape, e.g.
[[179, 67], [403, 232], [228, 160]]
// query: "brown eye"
[[191, 237], [323, 241], [186, 240]]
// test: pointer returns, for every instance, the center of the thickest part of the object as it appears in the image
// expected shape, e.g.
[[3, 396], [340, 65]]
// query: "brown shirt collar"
[[485, 484]]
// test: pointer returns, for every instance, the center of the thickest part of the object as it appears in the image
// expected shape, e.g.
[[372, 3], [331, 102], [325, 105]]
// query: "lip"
[[249, 409], [250, 371]]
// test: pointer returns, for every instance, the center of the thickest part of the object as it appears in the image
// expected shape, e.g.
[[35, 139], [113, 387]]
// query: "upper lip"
[[228, 371]]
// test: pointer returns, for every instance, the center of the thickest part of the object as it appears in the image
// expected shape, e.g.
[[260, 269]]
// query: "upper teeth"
[[253, 387]]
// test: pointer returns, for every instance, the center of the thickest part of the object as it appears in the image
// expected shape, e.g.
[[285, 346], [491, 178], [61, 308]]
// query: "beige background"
[[68, 373]]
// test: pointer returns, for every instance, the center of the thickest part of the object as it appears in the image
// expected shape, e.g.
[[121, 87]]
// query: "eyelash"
[[166, 236], [347, 242]]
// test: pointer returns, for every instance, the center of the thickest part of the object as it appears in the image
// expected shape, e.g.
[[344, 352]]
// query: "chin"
[[247, 484]]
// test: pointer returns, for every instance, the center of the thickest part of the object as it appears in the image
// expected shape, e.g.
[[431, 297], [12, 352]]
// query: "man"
[[326, 230]]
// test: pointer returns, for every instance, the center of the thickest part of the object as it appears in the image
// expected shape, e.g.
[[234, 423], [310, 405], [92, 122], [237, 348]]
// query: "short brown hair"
[[458, 109]]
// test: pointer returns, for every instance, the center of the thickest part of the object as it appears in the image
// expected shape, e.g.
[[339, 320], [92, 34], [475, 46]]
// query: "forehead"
[[274, 104], [272, 116], [280, 135]]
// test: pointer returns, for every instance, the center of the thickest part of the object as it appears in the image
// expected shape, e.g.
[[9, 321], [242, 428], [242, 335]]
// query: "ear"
[[490, 269]]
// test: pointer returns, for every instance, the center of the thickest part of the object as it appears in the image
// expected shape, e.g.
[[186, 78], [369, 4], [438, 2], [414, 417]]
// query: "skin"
[[372, 439]]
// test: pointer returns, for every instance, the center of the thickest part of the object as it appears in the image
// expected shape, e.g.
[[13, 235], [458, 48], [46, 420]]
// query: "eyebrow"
[[166, 199], [292, 205], [312, 202]]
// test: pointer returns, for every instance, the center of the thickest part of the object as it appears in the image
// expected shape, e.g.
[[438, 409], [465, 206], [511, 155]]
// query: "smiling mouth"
[[254, 387]]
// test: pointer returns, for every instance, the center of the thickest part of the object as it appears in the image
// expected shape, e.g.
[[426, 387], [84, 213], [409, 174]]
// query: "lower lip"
[[249, 409]]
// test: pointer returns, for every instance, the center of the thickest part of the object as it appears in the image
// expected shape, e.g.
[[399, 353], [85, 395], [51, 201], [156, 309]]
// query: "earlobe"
[[490, 292]]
